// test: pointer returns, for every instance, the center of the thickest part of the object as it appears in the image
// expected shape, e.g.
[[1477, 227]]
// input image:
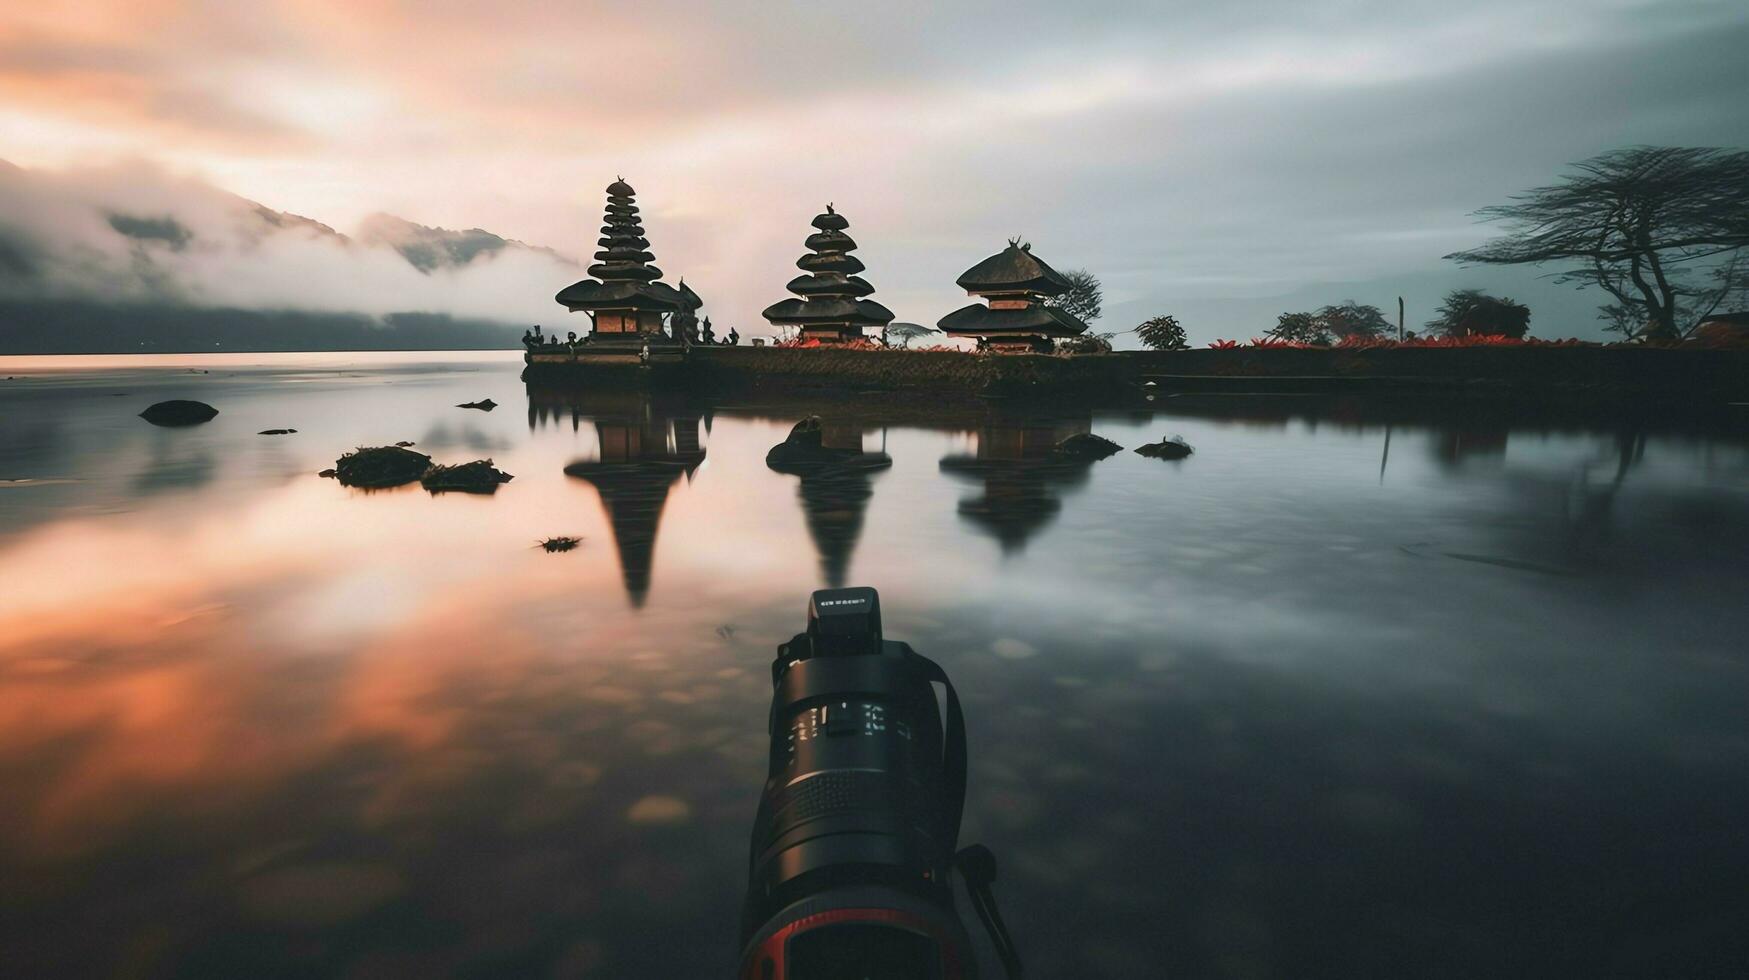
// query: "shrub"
[[1087, 343], [1298, 328], [1471, 312], [1163, 332]]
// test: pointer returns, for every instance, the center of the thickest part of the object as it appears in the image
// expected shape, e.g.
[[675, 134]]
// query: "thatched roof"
[[620, 252], [830, 220], [1014, 269], [830, 241], [829, 285], [978, 320], [619, 295], [625, 271], [862, 312], [831, 262]]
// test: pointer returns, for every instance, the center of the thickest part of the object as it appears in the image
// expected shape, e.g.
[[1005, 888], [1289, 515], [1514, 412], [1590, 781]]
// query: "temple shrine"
[[634, 317], [831, 310], [1016, 283]]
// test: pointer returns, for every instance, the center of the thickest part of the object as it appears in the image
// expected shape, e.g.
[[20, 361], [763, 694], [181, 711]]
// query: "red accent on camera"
[[775, 945]]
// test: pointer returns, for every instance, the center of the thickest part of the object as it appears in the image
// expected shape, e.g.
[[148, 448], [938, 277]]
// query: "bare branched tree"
[[1660, 229]]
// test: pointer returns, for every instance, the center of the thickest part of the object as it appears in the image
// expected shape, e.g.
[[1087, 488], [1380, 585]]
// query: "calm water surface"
[[1469, 704]]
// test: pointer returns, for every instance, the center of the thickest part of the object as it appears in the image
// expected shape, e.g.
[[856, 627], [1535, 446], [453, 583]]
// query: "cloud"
[[1186, 152], [138, 233]]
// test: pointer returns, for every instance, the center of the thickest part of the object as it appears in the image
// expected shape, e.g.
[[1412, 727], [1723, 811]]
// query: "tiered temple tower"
[[1016, 283], [831, 309], [625, 300]]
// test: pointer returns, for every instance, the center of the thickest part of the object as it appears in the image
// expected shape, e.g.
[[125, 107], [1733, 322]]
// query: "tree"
[[1469, 312], [1301, 328], [1162, 333], [1351, 319], [1643, 223], [1084, 298], [904, 333], [1087, 343]]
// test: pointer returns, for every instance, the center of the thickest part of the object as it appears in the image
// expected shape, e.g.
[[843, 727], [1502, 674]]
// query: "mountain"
[[142, 249], [427, 248]]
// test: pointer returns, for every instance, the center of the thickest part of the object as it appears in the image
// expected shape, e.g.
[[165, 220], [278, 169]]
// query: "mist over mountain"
[[121, 246], [429, 249]]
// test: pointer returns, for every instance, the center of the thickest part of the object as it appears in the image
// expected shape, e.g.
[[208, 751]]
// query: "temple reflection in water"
[[646, 442], [1020, 473], [835, 492]]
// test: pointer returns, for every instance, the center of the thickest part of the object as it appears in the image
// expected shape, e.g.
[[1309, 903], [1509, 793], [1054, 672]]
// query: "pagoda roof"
[[617, 252], [624, 272], [591, 295], [619, 188], [608, 241], [829, 285], [692, 300], [830, 220], [1037, 320], [625, 209], [861, 312], [830, 262], [830, 241], [1014, 269]]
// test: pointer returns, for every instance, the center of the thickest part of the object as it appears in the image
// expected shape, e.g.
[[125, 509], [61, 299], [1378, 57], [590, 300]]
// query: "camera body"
[[854, 841]]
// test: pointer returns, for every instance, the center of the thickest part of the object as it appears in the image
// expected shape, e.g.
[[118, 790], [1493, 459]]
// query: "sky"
[[1220, 161]]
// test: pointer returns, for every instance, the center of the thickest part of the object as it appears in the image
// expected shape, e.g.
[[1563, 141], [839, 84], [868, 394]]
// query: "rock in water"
[[563, 542], [803, 454], [1173, 448], [179, 412], [479, 476], [484, 405], [276, 432], [376, 467], [1085, 445], [405, 443]]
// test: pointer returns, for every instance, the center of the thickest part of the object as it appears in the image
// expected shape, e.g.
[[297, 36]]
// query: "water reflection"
[[836, 484], [646, 442], [1021, 476], [265, 726]]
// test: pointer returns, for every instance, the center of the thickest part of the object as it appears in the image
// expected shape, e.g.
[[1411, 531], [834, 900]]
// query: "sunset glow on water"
[[255, 723]]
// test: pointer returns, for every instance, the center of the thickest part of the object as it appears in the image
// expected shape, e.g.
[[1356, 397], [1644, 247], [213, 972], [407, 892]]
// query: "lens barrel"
[[864, 787]]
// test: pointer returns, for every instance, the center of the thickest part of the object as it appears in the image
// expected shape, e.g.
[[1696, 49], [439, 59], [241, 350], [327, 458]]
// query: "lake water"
[[1358, 690]]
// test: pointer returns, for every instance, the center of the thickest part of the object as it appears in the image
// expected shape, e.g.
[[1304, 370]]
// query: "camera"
[[854, 843]]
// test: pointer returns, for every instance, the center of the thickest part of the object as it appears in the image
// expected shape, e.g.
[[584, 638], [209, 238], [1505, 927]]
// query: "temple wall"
[[1589, 371]]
